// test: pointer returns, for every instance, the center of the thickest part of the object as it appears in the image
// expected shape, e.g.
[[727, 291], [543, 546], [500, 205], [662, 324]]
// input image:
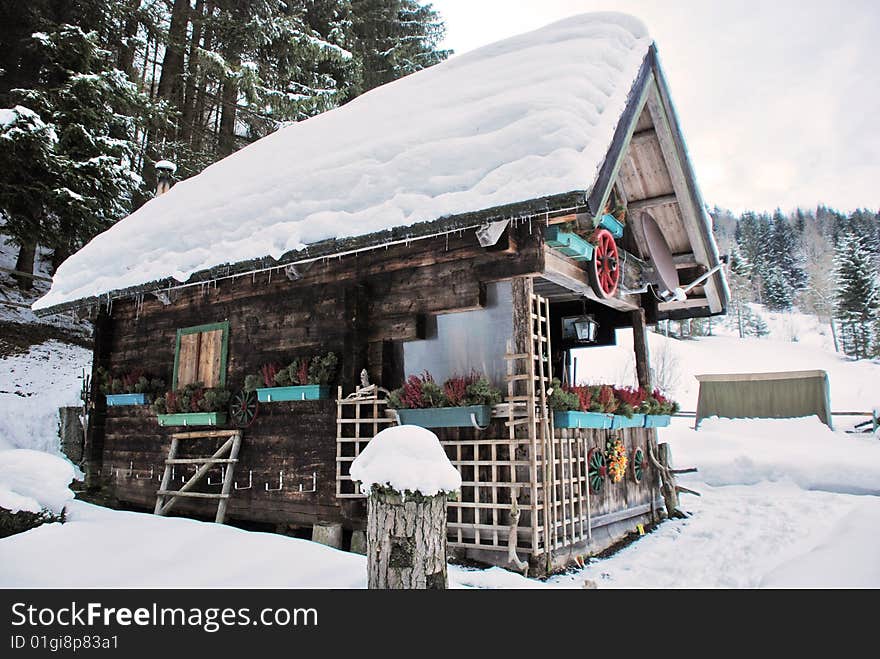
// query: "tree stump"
[[406, 540]]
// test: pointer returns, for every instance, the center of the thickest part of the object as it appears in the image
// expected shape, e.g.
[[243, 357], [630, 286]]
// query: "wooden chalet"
[[484, 288]]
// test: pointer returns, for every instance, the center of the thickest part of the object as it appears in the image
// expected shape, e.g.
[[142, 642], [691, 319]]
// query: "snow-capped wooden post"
[[409, 478]]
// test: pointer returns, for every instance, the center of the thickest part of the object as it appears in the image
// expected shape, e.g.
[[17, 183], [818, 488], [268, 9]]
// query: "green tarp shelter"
[[765, 396]]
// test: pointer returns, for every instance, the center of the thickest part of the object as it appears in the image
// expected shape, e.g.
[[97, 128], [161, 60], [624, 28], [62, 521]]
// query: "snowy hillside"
[[18, 308]]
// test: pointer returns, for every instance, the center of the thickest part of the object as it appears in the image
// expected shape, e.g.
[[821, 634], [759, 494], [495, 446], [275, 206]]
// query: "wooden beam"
[[690, 303], [651, 202], [568, 274], [679, 169], [640, 346], [643, 136]]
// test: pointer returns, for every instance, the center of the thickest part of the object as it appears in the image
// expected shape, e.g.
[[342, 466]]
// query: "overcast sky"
[[779, 100]]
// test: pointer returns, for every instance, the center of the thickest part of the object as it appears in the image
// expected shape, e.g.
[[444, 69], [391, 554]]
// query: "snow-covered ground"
[[784, 502]]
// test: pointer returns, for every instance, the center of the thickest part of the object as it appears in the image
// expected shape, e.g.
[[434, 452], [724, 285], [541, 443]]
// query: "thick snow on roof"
[[406, 458], [524, 118]]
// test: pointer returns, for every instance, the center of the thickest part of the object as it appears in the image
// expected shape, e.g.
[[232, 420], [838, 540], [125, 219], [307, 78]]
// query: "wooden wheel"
[[244, 407], [638, 465], [605, 266], [597, 470]]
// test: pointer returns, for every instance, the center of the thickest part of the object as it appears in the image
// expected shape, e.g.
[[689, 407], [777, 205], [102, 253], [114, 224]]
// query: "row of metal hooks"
[[117, 472]]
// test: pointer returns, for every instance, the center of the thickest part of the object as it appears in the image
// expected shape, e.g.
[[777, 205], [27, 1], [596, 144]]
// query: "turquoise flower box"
[[582, 420], [447, 417], [114, 400], [657, 420], [621, 421], [612, 224], [568, 243], [193, 419], [304, 392]]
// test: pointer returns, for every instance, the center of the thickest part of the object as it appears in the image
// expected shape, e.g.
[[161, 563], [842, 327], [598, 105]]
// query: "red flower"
[[269, 371]]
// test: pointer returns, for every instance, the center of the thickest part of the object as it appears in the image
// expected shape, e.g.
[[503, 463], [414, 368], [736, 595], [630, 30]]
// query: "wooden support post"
[[640, 346], [406, 541], [227, 480], [93, 447], [355, 341]]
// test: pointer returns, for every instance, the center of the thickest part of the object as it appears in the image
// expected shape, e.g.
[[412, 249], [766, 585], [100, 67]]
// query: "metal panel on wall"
[[470, 340]]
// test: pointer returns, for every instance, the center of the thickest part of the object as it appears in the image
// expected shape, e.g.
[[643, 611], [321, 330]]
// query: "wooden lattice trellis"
[[359, 418]]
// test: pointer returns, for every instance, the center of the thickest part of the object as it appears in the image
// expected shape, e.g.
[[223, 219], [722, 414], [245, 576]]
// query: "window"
[[200, 355]]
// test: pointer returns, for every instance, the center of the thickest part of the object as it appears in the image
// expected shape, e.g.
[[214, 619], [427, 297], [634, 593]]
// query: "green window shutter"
[[200, 355]]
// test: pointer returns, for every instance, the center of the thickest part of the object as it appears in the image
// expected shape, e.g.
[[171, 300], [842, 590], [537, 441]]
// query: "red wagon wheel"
[[605, 266]]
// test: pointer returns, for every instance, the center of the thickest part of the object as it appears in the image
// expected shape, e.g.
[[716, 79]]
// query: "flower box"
[[582, 420], [612, 224], [447, 417], [305, 392], [193, 419], [114, 400], [621, 421], [568, 243], [657, 420]]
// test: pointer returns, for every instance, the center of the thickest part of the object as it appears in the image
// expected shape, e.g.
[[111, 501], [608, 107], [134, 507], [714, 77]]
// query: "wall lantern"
[[582, 329]]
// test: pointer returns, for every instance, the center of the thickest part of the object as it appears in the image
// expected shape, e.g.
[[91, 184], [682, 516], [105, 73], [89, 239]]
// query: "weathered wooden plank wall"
[[359, 306]]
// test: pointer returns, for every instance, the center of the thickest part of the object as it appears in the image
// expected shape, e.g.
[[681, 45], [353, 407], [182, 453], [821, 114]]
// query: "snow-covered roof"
[[525, 118]]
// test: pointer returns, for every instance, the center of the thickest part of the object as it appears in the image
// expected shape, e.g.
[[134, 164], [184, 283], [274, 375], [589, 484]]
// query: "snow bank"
[[803, 451], [520, 119], [406, 458], [116, 549], [847, 558], [32, 480]]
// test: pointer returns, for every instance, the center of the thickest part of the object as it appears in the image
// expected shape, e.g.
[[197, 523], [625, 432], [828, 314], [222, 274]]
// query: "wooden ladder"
[[225, 455]]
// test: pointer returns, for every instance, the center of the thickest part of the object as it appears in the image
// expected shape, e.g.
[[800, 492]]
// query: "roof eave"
[[574, 201]]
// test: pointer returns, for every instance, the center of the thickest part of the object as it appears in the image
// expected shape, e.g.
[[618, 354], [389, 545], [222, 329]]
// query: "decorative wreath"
[[615, 458]]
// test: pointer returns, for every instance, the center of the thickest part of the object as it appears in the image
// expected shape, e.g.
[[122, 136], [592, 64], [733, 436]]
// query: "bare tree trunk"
[[27, 255], [127, 48], [170, 87], [406, 541], [59, 255], [228, 110], [187, 118]]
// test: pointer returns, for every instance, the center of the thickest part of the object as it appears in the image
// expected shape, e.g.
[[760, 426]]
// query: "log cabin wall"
[[361, 306]]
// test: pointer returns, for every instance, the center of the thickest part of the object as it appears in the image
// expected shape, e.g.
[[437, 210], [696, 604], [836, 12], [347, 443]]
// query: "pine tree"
[[752, 233], [783, 250], [759, 327], [778, 294], [858, 296], [738, 274], [394, 38], [94, 111], [28, 171]]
